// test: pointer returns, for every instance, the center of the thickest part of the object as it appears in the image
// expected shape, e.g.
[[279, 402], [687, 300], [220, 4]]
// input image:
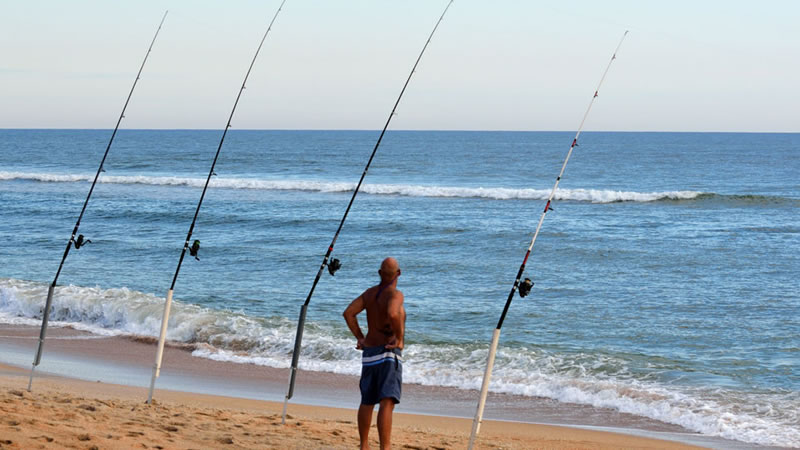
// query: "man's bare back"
[[386, 315], [379, 326]]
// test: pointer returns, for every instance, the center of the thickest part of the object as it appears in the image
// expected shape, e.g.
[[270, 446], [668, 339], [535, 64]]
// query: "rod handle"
[[45, 320], [476, 423], [162, 337], [298, 341]]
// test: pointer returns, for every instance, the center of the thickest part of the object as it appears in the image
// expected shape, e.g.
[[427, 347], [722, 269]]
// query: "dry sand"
[[67, 413]]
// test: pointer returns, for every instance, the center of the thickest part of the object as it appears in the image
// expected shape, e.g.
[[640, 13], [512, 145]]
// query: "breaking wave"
[[406, 190]]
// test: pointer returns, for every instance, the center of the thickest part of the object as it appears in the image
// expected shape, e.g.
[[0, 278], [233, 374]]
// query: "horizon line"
[[402, 130]]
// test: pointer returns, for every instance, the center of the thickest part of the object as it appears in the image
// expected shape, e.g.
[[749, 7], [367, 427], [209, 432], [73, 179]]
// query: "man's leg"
[[385, 422], [364, 422]]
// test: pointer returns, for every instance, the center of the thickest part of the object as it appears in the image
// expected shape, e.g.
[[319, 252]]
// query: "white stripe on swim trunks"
[[366, 359]]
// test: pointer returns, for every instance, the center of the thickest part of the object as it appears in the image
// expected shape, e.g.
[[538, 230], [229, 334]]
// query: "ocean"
[[665, 278]]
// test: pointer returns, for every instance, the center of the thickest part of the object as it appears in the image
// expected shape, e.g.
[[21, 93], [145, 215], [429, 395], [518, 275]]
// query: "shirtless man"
[[381, 360]]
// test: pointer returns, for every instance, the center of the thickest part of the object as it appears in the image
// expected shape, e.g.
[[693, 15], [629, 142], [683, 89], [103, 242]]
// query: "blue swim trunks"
[[381, 375]]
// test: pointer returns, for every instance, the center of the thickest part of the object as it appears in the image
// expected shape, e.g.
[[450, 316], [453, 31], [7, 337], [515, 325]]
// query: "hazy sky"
[[493, 65]]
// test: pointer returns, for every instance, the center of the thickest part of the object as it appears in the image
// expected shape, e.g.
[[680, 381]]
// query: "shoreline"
[[77, 358], [63, 411]]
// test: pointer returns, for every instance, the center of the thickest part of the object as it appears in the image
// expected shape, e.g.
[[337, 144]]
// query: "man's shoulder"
[[370, 292]]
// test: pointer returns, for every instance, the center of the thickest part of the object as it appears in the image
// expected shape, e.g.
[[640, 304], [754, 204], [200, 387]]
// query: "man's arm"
[[350, 316], [397, 319]]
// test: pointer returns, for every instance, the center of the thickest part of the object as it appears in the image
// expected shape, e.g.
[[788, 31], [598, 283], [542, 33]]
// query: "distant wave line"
[[495, 193]]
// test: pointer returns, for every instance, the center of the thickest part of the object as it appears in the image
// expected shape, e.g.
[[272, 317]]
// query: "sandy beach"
[[66, 410], [68, 413]]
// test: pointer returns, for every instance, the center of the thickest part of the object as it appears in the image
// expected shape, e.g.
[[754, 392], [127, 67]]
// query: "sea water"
[[665, 277]]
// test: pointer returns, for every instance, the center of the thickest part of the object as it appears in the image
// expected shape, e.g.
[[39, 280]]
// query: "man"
[[381, 360]]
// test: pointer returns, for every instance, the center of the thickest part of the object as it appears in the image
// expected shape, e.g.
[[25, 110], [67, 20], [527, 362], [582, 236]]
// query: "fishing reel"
[[194, 249], [80, 242], [525, 287], [333, 266]]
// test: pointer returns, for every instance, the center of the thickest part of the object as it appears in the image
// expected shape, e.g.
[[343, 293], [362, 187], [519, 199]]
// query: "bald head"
[[390, 270]]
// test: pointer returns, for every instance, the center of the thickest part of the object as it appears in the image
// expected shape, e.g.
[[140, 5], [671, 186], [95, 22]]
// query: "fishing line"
[[195, 248], [526, 286], [80, 241], [335, 264]]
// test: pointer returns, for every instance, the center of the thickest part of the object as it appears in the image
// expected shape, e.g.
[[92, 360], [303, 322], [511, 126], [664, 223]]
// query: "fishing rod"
[[80, 241], [195, 248], [527, 284], [335, 264]]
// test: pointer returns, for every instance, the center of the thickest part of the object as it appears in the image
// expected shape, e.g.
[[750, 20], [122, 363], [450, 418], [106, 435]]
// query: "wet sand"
[[88, 386]]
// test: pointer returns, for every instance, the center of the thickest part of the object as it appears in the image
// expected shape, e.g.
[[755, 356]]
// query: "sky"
[[699, 65]]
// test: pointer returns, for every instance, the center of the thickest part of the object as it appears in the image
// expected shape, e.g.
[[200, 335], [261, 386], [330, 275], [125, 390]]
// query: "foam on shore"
[[597, 380]]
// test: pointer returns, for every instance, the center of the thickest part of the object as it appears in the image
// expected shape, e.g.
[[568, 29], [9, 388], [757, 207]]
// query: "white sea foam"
[[588, 379], [496, 193]]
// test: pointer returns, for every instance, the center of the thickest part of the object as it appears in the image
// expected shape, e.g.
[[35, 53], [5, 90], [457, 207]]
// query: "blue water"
[[666, 276]]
